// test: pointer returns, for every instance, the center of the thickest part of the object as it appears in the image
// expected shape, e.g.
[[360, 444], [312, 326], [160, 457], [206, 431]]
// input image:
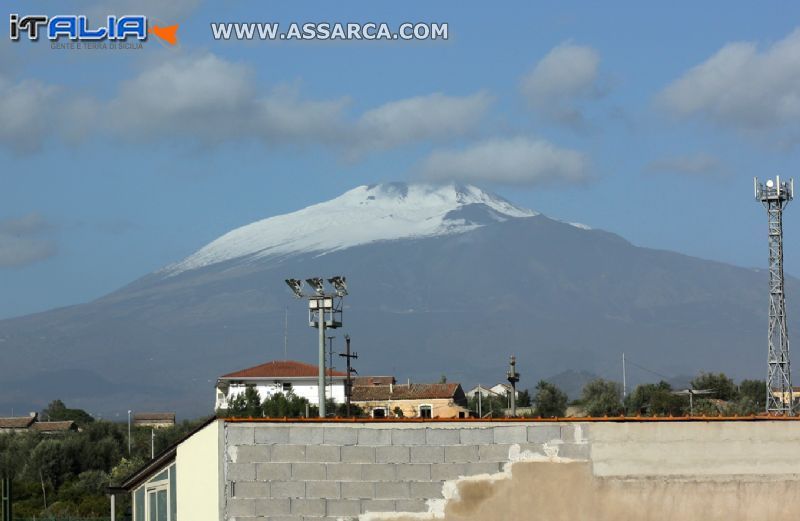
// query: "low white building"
[[500, 389], [280, 376]]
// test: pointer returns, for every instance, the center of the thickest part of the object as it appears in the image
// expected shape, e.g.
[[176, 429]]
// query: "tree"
[[655, 400], [602, 398], [723, 387], [524, 399], [246, 404], [549, 400], [286, 406], [57, 411], [755, 392], [443, 379]]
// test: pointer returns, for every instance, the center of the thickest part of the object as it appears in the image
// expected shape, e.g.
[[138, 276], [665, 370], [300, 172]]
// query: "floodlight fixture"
[[339, 283], [296, 286], [317, 285], [770, 183]]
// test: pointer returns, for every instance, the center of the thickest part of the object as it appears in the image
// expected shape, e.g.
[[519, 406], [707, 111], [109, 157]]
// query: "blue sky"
[[646, 121]]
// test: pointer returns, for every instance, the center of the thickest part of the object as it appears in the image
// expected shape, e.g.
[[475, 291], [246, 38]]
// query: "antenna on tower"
[[775, 195]]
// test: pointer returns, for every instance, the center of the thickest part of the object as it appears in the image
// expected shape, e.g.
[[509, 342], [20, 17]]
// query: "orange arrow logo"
[[166, 33]]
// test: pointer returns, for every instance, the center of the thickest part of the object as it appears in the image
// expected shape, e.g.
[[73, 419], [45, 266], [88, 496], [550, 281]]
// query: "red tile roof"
[[373, 380], [280, 369], [17, 422], [154, 417], [367, 393], [58, 426]]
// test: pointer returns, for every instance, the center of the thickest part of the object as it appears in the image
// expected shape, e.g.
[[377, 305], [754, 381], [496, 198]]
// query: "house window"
[[155, 500], [425, 411], [287, 387], [379, 412]]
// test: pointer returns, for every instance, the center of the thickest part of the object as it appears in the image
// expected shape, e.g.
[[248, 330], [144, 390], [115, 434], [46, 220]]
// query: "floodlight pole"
[[321, 381], [513, 378]]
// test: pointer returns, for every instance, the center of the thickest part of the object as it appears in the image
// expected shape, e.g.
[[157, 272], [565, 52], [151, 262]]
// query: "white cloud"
[[742, 87], [564, 77], [433, 117], [692, 164], [520, 161], [212, 100], [25, 111], [25, 240]]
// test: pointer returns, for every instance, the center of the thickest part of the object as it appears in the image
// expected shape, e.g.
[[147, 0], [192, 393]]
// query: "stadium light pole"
[[320, 303]]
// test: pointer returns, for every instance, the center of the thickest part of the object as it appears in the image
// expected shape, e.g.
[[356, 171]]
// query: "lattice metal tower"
[[775, 195]]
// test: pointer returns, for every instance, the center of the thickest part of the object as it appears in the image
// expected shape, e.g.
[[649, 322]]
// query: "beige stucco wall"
[[198, 467], [441, 408]]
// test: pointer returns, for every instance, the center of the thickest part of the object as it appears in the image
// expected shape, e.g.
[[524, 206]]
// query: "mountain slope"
[[447, 300]]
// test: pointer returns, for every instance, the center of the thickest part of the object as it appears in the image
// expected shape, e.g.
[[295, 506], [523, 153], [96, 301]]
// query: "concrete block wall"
[[332, 471]]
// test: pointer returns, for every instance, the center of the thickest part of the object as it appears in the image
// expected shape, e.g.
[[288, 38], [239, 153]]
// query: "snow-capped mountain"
[[362, 215], [443, 280]]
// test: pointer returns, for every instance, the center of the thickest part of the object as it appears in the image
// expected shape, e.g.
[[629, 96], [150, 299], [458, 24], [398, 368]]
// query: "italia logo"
[[77, 28]]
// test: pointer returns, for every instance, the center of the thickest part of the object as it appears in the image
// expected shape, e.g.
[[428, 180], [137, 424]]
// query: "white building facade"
[[280, 376]]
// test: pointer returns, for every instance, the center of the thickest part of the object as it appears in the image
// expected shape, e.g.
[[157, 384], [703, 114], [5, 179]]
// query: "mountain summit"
[[363, 215]]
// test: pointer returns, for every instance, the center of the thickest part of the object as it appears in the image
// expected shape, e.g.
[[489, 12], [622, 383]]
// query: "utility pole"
[[5, 492], [775, 195], [480, 401], [348, 382], [330, 365], [513, 377], [129, 432], [624, 379], [286, 333], [152, 444]]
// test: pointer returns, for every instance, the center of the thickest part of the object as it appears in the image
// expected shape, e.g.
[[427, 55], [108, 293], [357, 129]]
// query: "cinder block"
[[322, 489], [374, 437], [377, 505], [308, 471], [511, 434], [460, 453], [544, 432], [408, 436], [273, 507], [239, 434], [358, 454], [425, 454], [305, 435], [273, 471], [308, 507], [414, 472], [425, 490], [493, 452], [579, 451], [411, 505], [379, 472], [269, 434], [389, 490], [442, 436], [253, 454], [477, 436], [392, 454], [340, 435], [241, 507], [343, 472], [536, 448], [474, 469], [241, 472], [323, 453], [287, 489], [251, 489], [288, 453], [344, 508], [357, 490], [444, 471]]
